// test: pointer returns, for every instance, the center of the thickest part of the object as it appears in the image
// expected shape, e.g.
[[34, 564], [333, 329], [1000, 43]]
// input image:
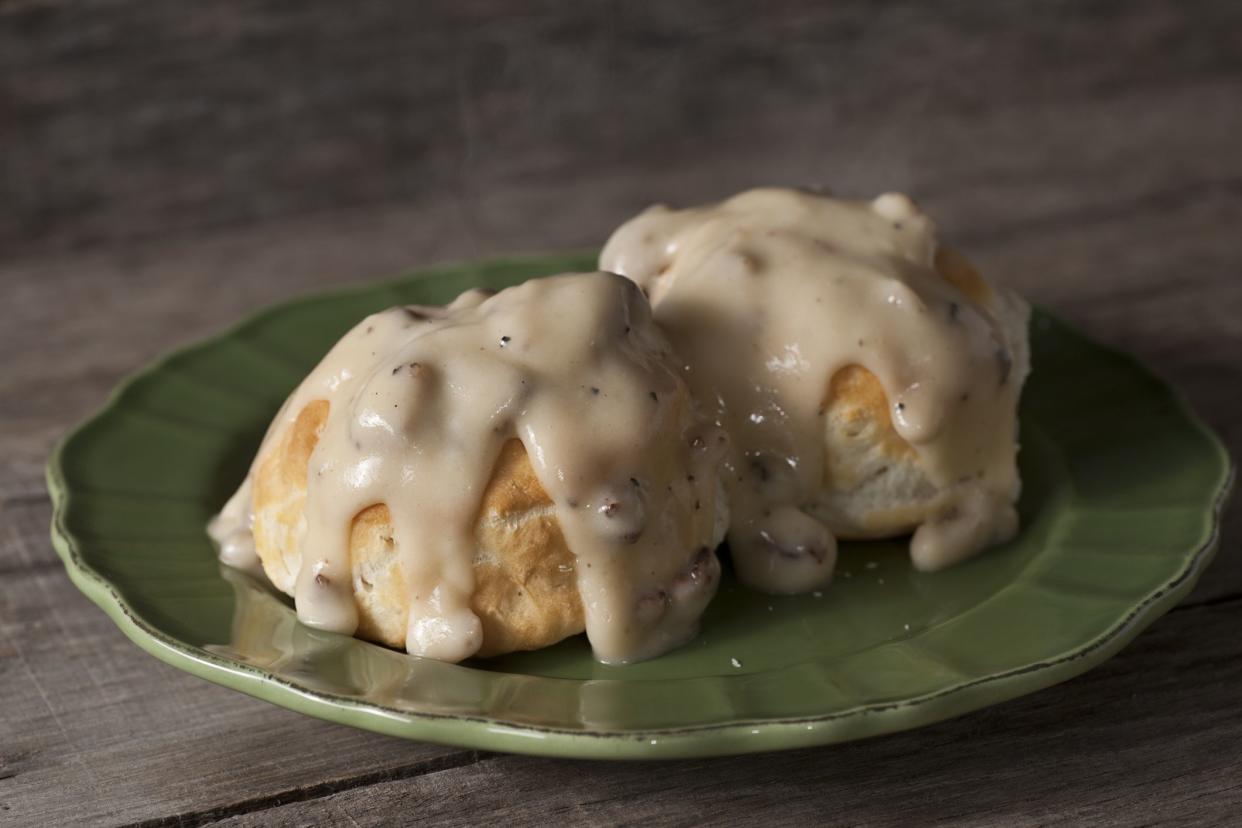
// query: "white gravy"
[[766, 296], [421, 401]]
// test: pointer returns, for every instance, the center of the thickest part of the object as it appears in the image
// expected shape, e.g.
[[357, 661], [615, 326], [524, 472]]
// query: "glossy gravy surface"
[[767, 296], [422, 399]]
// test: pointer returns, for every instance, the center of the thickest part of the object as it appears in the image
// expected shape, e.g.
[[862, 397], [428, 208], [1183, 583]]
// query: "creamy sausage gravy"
[[766, 296], [422, 399]]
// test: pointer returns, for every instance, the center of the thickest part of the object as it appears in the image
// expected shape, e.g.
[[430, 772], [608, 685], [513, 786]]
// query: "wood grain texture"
[[133, 120], [164, 171]]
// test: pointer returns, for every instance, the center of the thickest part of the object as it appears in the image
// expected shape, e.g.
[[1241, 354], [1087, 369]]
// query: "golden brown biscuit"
[[526, 592], [868, 375], [874, 484]]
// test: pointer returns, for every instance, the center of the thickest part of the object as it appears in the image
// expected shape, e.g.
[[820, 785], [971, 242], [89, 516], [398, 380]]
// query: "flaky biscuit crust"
[[526, 593]]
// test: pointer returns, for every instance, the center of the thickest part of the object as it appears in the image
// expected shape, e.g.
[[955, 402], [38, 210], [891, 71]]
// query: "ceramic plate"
[[1123, 486]]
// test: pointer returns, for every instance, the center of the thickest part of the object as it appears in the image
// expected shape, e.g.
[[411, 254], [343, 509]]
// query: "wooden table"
[[165, 168]]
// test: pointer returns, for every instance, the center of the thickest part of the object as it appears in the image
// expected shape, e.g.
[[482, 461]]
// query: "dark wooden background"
[[166, 167]]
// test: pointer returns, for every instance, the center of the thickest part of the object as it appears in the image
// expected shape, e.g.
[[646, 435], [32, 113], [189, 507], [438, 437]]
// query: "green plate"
[[1123, 487]]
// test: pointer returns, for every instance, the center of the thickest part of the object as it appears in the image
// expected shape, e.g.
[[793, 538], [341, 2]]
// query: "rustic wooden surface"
[[164, 169]]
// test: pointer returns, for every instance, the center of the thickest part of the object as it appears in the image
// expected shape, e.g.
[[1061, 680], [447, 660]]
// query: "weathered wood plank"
[[93, 730], [1084, 151], [128, 120], [1151, 737]]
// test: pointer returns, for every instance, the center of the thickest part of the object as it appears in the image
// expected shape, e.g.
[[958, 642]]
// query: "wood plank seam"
[[190, 819], [32, 498], [1127, 206], [1153, 202], [38, 567], [1227, 598]]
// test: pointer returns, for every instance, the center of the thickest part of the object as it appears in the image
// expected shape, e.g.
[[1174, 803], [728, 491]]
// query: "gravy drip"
[[770, 293], [421, 401]]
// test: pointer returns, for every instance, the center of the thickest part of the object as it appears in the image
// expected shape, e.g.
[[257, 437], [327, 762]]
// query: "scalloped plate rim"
[[715, 739]]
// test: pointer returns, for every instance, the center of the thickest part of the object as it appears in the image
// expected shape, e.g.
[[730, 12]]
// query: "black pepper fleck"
[[415, 369]]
